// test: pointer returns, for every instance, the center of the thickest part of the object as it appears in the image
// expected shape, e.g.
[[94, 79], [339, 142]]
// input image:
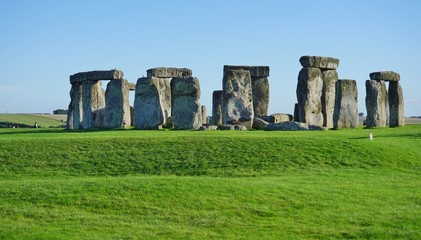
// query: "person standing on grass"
[[36, 125]]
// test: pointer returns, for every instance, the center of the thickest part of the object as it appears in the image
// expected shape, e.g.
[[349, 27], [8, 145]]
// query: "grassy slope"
[[105, 184], [30, 120]]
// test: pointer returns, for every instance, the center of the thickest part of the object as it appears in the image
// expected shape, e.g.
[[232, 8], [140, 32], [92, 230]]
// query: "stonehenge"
[[170, 98], [385, 107]]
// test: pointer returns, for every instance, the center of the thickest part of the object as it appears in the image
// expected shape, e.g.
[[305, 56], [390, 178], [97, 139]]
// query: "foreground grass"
[[56, 184]]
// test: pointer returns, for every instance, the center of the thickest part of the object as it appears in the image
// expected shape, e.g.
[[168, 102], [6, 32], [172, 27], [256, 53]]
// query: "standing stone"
[[75, 111], [346, 106], [296, 113], [309, 95], [396, 105], [260, 89], [117, 106], [93, 104], [330, 77], [376, 102], [237, 107], [152, 102], [217, 107], [203, 110], [186, 108]]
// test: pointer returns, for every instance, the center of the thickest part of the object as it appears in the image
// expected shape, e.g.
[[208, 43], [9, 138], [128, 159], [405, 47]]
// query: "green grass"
[[29, 120], [128, 184]]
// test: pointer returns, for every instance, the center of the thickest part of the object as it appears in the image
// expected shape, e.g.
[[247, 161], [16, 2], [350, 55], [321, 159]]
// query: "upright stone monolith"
[[217, 107], [117, 106], [376, 102], [186, 108], [346, 107], [237, 107], [152, 102], [396, 105], [330, 77], [309, 96], [93, 99], [75, 110]]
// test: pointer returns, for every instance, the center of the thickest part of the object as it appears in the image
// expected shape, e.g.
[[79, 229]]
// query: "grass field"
[[128, 184], [43, 121]]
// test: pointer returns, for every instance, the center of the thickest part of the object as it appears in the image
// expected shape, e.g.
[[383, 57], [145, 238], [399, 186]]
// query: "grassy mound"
[[129, 184]]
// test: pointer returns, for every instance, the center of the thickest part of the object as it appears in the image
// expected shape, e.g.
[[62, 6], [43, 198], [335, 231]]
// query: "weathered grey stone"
[[97, 75], [203, 109], [117, 106], [296, 113], [75, 110], [281, 117], [309, 95], [346, 106], [217, 107], [255, 71], [319, 62], [259, 123], [208, 128], [286, 126], [169, 124], [330, 77], [132, 86], [396, 105], [152, 102], [376, 102], [186, 108], [237, 107], [260, 90], [225, 127], [240, 127], [387, 76], [93, 99], [164, 72], [317, 128]]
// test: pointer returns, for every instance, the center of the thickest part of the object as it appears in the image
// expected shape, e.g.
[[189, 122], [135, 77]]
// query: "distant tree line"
[[60, 111]]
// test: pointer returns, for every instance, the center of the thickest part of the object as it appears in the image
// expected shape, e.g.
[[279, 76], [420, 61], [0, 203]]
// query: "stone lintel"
[[132, 86], [164, 72], [97, 75], [255, 71], [324, 63], [387, 76]]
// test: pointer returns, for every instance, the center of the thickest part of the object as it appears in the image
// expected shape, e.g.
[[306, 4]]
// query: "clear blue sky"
[[43, 42]]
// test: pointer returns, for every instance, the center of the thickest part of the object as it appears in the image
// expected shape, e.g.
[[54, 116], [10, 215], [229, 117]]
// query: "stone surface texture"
[[287, 126], [387, 76], [260, 90], [93, 98], [325, 63], [259, 123], [117, 106], [203, 109], [186, 107], [97, 75], [217, 107], [237, 107], [309, 95], [396, 105], [75, 110], [376, 102], [346, 107], [255, 71], [330, 77], [152, 102], [164, 72]]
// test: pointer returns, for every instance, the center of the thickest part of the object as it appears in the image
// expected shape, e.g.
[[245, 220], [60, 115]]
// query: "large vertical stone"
[[376, 102], [396, 105], [330, 77], [309, 95], [152, 102], [237, 107], [186, 108], [260, 89], [75, 111], [203, 109], [296, 113], [117, 106], [217, 107], [346, 106], [93, 104]]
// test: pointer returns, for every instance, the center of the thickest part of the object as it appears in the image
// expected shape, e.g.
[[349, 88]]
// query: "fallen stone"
[[208, 128], [186, 108], [324, 63], [377, 104], [317, 128], [237, 107], [387, 76], [346, 107], [287, 126], [164, 72], [225, 127], [117, 106], [396, 105], [97, 75], [217, 107], [259, 123], [330, 77], [255, 71], [309, 95], [152, 103]]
